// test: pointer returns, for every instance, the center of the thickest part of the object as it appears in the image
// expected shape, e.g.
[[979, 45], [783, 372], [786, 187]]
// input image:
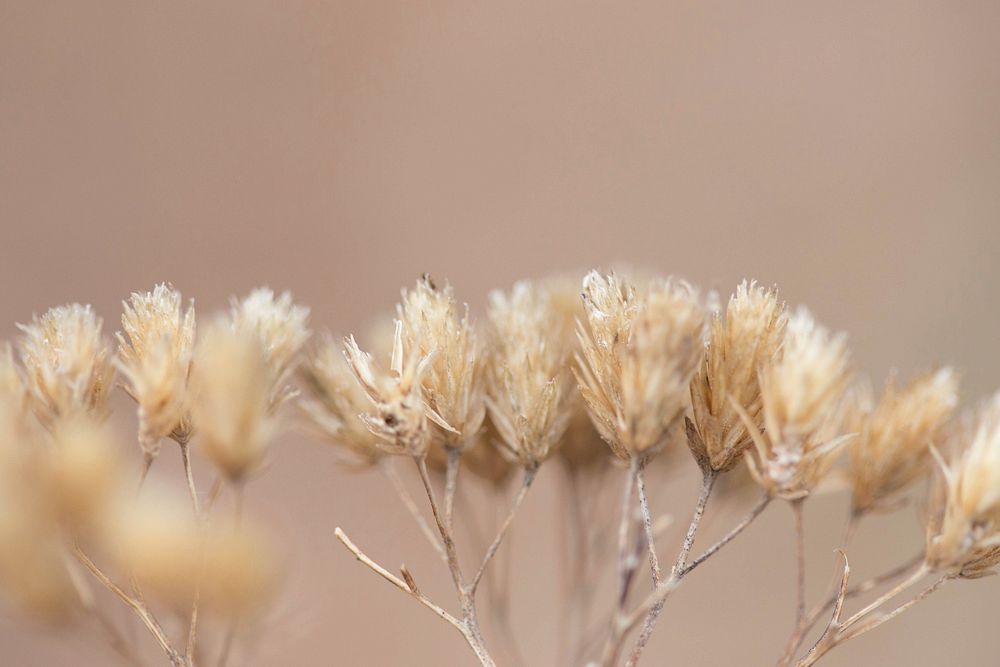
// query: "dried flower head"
[[281, 326], [66, 362], [453, 384], [638, 358], [892, 449], [528, 379], [231, 387], [400, 416], [802, 406], [964, 523], [337, 403], [155, 350], [738, 349]]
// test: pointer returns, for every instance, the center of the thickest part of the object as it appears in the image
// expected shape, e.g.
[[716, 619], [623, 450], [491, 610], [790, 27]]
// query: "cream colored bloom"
[[738, 349], [281, 327], [453, 386], [964, 527], [67, 363], [638, 357], [892, 449], [399, 416], [155, 350], [231, 391], [337, 402], [529, 383], [802, 407]]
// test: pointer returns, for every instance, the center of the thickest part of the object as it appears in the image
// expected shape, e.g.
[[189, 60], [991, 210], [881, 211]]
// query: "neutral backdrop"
[[848, 152]]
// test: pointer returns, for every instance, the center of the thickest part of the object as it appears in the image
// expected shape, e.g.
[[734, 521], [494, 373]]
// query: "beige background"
[[848, 151]]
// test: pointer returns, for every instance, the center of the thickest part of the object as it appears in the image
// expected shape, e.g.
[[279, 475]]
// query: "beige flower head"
[[638, 358], [231, 391], [155, 348], [453, 386], [67, 363], [337, 402], [964, 526], [282, 327], [739, 347], [529, 382], [892, 449], [802, 396], [399, 416]]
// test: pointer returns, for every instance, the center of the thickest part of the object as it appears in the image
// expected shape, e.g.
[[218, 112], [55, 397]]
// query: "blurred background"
[[848, 152]]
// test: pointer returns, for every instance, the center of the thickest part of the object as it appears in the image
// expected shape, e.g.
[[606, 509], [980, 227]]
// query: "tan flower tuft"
[[231, 387], [281, 326], [154, 353], [893, 447], [400, 416], [964, 525], [337, 403], [638, 358], [802, 406], [528, 380], [66, 362], [453, 385], [738, 349]]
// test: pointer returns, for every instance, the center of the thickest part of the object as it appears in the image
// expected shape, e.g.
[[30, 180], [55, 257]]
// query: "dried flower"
[[155, 350], [231, 408], [453, 384], [528, 380], [281, 326], [802, 404], [337, 403], [738, 349], [81, 473], [892, 450], [638, 358], [66, 361], [964, 525], [400, 416]]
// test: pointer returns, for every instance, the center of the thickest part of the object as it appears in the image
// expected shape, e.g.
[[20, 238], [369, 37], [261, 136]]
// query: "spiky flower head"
[[434, 326], [802, 396], [892, 449], [231, 390], [964, 522], [529, 383], [739, 347], [155, 349], [638, 358], [397, 415], [67, 363], [337, 402], [282, 328]]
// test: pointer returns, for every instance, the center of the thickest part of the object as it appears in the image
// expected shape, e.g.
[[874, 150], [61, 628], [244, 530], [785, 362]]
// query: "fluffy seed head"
[[66, 362], [528, 378], [281, 327], [739, 347], [892, 449], [453, 386], [231, 387], [155, 349], [638, 358], [802, 396]]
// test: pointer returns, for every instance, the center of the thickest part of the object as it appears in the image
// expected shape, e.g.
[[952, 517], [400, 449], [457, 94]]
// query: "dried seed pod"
[[67, 363], [739, 347]]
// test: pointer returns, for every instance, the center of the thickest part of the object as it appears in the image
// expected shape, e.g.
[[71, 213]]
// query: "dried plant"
[[602, 375]]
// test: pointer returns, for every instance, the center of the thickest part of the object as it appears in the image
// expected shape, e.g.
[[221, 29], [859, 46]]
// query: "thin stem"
[[450, 484], [389, 470], [647, 524], [708, 482], [625, 568], [800, 561], [446, 538], [189, 474], [529, 477], [896, 590], [227, 642], [754, 512], [898, 610]]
